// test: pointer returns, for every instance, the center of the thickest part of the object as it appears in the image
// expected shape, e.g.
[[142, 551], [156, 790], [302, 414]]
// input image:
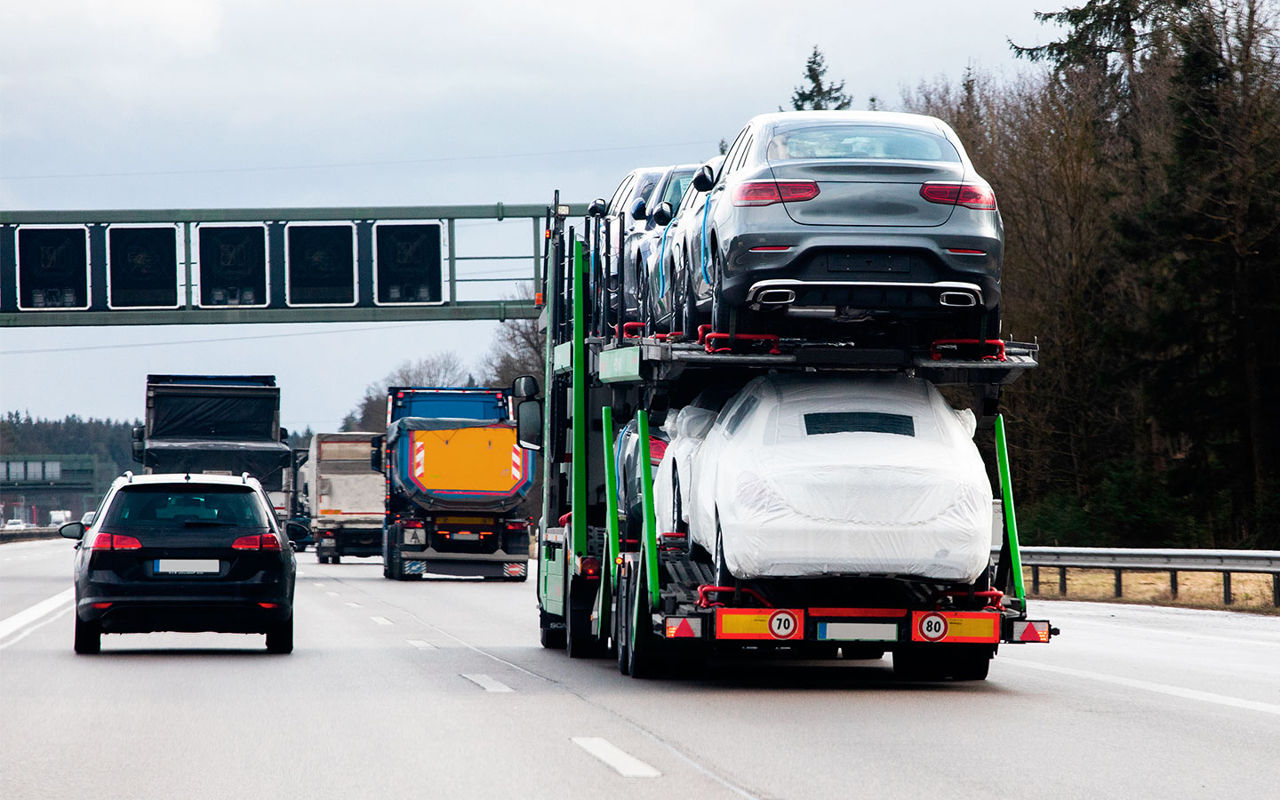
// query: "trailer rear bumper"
[[853, 626]]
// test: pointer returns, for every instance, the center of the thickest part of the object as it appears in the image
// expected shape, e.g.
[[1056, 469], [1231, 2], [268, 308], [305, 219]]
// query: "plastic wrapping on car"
[[882, 478]]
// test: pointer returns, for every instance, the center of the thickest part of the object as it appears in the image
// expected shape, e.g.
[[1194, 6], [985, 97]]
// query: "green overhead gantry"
[[264, 265]]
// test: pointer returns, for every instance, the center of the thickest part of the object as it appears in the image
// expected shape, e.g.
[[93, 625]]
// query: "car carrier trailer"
[[654, 601]]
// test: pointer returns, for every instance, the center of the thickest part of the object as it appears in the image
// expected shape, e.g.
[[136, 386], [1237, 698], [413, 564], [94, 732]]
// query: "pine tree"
[[817, 95]]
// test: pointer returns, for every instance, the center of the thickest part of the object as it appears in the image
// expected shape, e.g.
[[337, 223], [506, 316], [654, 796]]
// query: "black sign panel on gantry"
[[53, 267], [232, 264], [320, 264], [406, 263], [142, 267]]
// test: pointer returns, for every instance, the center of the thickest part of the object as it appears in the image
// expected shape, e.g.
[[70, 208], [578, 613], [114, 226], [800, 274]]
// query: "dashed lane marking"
[[421, 645], [354, 605], [488, 684], [382, 620], [622, 762]]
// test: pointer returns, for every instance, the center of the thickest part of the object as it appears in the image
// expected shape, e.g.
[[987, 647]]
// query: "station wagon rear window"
[[169, 505], [858, 422], [860, 142]]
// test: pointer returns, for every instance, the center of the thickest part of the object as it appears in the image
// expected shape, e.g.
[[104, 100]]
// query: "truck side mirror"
[[524, 387], [375, 453], [529, 424], [598, 208], [138, 434], [284, 434]]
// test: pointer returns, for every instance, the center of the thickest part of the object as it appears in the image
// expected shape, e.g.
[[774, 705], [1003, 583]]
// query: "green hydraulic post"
[[578, 416], [610, 495], [1010, 518], [650, 533]]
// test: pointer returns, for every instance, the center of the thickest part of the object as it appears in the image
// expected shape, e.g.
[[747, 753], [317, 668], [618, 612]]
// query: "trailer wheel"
[[552, 638], [643, 657], [621, 626], [393, 567]]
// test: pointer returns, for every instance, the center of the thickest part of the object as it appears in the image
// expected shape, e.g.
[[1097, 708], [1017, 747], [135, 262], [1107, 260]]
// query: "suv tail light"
[[115, 541], [969, 195], [264, 541], [657, 449], [766, 193]]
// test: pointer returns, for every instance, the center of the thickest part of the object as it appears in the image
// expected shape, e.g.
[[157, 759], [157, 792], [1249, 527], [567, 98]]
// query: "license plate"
[[188, 566], [868, 262], [465, 537]]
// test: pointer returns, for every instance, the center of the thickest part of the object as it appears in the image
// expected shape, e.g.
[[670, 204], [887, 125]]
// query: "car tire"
[[722, 317], [335, 559], [689, 310], [88, 639], [723, 576], [280, 638]]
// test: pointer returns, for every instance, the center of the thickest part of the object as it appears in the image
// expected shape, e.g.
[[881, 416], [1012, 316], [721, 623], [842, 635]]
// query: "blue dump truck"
[[455, 478]]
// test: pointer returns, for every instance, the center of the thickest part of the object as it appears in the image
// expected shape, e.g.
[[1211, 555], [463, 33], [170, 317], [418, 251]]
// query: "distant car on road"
[[15, 525], [87, 519], [177, 552]]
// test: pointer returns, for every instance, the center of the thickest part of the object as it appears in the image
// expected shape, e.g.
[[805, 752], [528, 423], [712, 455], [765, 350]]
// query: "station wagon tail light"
[[657, 449], [265, 541], [766, 193], [969, 195], [115, 541]]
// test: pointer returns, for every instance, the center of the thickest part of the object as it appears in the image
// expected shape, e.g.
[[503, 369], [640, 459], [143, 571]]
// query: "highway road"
[[440, 689]]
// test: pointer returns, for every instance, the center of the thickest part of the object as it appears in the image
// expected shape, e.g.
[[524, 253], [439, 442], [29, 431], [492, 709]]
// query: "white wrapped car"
[[806, 475]]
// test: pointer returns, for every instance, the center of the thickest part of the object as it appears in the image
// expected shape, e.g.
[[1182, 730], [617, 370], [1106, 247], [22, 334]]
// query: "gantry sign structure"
[[209, 266]]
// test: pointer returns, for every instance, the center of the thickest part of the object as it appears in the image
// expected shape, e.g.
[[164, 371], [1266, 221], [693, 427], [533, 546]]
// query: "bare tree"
[[438, 369]]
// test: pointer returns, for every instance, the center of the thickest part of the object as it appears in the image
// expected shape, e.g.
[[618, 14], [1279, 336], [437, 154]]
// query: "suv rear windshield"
[[169, 505], [860, 141], [859, 422]]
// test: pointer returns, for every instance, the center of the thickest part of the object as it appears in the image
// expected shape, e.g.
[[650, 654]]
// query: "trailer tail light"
[[265, 541], [412, 523], [589, 566], [682, 627], [1036, 631], [101, 606], [115, 541], [970, 195], [766, 193], [269, 605]]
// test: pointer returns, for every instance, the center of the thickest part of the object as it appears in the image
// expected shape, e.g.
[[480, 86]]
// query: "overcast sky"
[[249, 103]]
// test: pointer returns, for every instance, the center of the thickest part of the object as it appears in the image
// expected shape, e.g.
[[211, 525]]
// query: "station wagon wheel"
[[88, 637]]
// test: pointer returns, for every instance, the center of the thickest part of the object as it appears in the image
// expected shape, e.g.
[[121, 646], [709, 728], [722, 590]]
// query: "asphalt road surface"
[[440, 689]]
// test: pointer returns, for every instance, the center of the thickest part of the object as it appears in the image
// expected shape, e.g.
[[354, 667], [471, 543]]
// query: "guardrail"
[[31, 532], [1173, 561]]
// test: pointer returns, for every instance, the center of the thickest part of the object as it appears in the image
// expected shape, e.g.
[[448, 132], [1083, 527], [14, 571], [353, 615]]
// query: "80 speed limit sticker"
[[932, 627]]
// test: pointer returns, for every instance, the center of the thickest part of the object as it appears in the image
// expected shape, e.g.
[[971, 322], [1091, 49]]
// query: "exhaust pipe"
[[957, 300], [776, 297]]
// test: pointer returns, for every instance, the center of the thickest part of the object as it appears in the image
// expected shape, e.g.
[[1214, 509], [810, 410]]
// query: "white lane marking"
[[354, 605], [487, 683], [332, 594], [421, 645], [625, 764], [319, 584], [30, 629], [1158, 688], [382, 620], [10, 625]]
